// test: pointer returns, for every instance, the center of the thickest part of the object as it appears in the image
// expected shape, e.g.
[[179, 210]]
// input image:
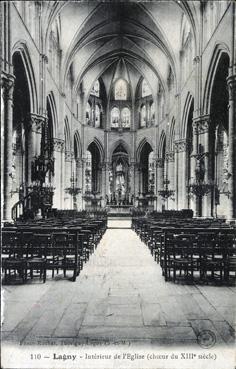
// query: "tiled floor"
[[119, 296]]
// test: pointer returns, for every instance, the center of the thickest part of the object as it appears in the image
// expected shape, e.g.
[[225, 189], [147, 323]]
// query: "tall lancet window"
[[97, 116], [88, 113], [115, 117], [143, 116], [121, 90], [96, 89], [125, 117], [88, 172], [145, 89], [152, 112]]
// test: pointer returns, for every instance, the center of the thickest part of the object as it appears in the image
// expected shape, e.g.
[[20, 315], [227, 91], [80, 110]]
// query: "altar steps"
[[119, 221]]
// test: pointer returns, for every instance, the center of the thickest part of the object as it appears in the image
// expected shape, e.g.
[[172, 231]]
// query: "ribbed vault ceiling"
[[147, 35]]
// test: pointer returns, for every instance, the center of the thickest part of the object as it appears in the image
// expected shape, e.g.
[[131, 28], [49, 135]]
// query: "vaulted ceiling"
[[147, 35]]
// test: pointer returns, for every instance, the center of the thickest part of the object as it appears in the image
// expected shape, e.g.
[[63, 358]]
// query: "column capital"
[[36, 122], [231, 81], [159, 163], [58, 144], [103, 165], [44, 58], [108, 165], [181, 145], [201, 124], [170, 156], [7, 81], [67, 155], [196, 59], [79, 162]]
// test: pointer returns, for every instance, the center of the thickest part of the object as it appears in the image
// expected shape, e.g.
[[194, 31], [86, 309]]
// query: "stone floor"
[[120, 296]]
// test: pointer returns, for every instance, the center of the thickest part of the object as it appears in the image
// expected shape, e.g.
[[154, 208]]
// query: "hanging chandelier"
[[199, 187], [165, 193], [73, 190]]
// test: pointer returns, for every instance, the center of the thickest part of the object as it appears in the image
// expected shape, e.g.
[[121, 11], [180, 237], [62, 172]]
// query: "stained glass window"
[[115, 117], [88, 172], [143, 116], [152, 110], [125, 117], [88, 113], [97, 115], [151, 172], [96, 89], [121, 90], [145, 89]]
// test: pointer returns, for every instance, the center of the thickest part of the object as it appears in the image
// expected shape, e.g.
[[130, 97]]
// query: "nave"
[[120, 296]]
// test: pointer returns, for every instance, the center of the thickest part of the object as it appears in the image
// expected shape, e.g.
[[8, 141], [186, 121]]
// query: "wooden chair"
[[13, 263], [60, 244], [213, 259], [36, 256]]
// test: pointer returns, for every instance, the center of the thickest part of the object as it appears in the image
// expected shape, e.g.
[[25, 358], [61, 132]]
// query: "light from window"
[[143, 116], [151, 172], [96, 89], [115, 117], [152, 109], [88, 172], [125, 117], [97, 116], [88, 113], [145, 89], [121, 90]]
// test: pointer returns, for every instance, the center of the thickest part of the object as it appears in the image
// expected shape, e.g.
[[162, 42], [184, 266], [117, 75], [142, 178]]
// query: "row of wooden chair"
[[191, 250], [29, 251]]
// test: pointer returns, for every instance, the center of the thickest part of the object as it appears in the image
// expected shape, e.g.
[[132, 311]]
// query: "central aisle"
[[120, 296]]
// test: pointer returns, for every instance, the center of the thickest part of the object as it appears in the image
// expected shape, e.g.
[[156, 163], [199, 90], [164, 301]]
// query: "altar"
[[116, 210]]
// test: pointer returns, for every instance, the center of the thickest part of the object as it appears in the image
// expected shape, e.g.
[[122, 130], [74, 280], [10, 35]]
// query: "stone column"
[[170, 158], [136, 182], [37, 122], [34, 125], [132, 177], [103, 171], [193, 200], [79, 176], [83, 169], [159, 181], [68, 199], [58, 147], [203, 125], [231, 80], [106, 169], [8, 85], [181, 159]]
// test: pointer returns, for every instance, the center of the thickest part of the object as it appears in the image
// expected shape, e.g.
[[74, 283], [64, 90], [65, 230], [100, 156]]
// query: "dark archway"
[[95, 168], [218, 138], [144, 166], [119, 176], [21, 129], [189, 149]]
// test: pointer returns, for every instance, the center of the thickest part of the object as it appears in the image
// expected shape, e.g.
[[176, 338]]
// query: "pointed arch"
[[52, 106], [67, 134], [141, 145], [188, 106], [116, 144], [99, 145], [162, 145], [220, 50], [77, 145], [21, 48], [172, 135]]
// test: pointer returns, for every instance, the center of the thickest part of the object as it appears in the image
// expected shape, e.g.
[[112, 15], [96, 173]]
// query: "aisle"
[[120, 296]]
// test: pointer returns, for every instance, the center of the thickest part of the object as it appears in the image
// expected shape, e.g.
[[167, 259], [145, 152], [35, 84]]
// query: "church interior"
[[118, 162]]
